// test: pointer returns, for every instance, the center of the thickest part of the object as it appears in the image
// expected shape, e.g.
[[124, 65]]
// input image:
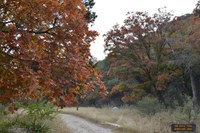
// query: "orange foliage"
[[140, 49], [44, 51]]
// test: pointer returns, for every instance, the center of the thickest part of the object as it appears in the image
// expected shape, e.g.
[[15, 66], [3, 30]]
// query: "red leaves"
[[44, 51], [138, 51]]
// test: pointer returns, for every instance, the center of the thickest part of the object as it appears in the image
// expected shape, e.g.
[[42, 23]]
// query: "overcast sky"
[[111, 12]]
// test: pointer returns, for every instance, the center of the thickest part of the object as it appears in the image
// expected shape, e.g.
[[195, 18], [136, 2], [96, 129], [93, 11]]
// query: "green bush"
[[4, 121], [32, 119], [41, 111], [38, 127], [188, 113], [4, 125], [149, 106], [37, 114]]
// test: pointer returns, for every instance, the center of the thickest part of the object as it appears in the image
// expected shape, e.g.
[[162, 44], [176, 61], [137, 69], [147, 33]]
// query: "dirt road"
[[79, 125]]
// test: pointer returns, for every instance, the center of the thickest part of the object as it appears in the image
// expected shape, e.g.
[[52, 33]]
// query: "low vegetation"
[[36, 117], [133, 120], [58, 125]]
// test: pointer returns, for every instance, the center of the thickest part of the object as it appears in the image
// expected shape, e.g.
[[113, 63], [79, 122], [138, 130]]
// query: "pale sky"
[[111, 12]]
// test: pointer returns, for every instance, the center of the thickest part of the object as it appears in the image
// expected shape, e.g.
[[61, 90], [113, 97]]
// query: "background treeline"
[[151, 57]]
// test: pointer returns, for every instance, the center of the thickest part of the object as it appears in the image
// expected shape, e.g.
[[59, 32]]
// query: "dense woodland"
[[45, 61], [44, 55], [155, 56]]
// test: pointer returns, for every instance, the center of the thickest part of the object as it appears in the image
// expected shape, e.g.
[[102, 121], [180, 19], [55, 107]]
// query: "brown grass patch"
[[58, 126], [130, 120]]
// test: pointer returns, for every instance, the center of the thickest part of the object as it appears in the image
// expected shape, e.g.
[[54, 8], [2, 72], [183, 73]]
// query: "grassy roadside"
[[34, 118], [130, 120], [11, 124], [57, 125]]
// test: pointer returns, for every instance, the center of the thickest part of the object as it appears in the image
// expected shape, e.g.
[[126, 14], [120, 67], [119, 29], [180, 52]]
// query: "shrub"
[[5, 123], [33, 118], [37, 114], [187, 113], [149, 106]]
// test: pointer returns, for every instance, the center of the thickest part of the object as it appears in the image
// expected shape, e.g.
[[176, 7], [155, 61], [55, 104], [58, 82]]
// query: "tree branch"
[[19, 26], [42, 32], [46, 31]]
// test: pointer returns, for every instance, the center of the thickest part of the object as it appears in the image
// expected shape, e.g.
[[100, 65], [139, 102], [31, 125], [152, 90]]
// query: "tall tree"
[[140, 46], [44, 51]]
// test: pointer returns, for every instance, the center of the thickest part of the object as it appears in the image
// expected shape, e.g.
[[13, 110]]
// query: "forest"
[[45, 61], [152, 56]]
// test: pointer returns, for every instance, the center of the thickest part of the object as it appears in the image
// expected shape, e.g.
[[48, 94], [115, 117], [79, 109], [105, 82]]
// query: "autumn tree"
[[44, 51], [140, 49], [185, 43]]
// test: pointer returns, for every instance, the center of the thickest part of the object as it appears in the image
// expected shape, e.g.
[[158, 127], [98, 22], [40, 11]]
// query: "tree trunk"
[[77, 103], [161, 98], [194, 88], [77, 107], [159, 95]]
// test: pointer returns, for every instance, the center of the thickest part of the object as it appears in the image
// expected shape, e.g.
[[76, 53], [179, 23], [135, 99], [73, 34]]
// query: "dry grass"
[[57, 126], [130, 120]]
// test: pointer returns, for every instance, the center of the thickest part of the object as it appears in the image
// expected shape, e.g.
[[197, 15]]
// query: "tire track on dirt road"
[[80, 125]]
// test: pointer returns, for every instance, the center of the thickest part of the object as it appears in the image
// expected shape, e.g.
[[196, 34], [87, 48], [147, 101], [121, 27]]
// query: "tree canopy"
[[140, 46], [44, 51], [155, 56]]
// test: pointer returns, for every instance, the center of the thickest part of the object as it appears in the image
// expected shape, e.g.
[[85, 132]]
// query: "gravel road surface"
[[80, 125]]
